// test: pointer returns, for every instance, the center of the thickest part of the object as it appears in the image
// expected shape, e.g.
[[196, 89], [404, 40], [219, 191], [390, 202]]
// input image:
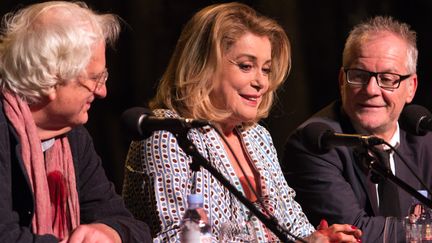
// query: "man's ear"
[[52, 93], [411, 88], [342, 82], [341, 77]]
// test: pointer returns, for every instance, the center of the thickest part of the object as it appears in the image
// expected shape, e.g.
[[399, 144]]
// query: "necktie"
[[387, 190]]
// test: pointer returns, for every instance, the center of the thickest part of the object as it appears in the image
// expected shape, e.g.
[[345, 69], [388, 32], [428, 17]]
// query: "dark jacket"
[[99, 202], [333, 185]]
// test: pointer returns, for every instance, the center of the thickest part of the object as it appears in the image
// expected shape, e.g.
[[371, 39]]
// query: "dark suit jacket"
[[333, 186], [98, 201]]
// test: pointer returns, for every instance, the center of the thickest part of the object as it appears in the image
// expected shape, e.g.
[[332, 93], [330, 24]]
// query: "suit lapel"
[[404, 173], [368, 189]]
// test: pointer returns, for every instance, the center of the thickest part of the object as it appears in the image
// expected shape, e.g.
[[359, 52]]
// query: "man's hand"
[[93, 233]]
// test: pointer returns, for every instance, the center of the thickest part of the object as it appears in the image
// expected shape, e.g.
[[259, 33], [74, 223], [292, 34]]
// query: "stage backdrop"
[[317, 30]]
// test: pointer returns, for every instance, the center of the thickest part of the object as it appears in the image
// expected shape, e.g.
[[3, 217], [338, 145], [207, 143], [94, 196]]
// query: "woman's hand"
[[335, 233]]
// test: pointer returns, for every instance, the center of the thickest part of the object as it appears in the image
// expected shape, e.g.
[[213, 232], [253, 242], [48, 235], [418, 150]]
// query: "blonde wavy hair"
[[187, 83], [50, 43]]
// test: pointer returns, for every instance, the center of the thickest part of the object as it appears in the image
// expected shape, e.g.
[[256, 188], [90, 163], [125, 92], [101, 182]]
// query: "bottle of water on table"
[[418, 224], [195, 227]]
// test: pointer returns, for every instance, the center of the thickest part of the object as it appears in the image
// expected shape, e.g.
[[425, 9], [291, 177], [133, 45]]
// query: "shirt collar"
[[395, 140], [46, 144]]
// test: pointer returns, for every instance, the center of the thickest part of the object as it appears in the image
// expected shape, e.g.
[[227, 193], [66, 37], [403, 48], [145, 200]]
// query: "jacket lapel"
[[359, 156]]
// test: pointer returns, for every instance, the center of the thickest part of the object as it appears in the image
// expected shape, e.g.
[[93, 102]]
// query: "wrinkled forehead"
[[379, 44]]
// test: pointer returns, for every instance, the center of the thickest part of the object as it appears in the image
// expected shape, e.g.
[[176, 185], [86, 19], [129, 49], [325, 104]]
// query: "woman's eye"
[[245, 67], [266, 71]]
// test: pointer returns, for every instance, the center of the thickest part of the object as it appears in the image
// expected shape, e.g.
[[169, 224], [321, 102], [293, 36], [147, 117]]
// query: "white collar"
[[395, 140], [46, 144]]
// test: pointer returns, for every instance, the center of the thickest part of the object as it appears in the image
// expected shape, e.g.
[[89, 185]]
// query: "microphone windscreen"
[[411, 118], [313, 134], [131, 121]]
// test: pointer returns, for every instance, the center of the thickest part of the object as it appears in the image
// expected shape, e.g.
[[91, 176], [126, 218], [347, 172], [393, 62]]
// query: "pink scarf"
[[52, 178]]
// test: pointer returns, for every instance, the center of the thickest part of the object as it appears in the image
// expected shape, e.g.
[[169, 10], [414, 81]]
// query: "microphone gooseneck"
[[321, 138]]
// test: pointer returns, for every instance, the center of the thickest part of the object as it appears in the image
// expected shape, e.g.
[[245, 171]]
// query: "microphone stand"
[[377, 165], [198, 160]]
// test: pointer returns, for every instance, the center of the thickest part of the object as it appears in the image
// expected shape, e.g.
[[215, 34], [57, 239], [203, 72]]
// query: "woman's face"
[[243, 78]]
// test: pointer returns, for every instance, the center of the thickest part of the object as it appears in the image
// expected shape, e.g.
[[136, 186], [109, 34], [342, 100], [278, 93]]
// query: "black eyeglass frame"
[[378, 80]]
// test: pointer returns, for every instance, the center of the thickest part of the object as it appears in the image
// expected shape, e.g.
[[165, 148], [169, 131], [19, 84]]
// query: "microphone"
[[320, 138], [140, 123], [416, 120]]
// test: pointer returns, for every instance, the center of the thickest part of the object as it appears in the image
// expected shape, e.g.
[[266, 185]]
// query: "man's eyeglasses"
[[360, 77], [98, 79]]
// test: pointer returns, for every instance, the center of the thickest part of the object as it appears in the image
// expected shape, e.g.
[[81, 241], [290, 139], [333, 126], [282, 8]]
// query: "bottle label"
[[193, 231]]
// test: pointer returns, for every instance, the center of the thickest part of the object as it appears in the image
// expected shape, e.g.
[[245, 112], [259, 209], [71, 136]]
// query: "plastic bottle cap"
[[195, 199], [423, 192]]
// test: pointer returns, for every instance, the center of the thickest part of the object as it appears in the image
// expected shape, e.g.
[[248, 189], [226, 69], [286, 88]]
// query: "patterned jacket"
[[158, 179]]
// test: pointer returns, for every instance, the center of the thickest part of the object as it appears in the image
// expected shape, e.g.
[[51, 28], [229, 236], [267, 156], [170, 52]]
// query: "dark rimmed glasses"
[[385, 80]]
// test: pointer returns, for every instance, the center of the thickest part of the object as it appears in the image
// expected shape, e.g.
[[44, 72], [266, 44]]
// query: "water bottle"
[[420, 216], [195, 227], [418, 212]]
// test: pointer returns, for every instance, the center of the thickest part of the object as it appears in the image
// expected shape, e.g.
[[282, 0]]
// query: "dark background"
[[317, 30]]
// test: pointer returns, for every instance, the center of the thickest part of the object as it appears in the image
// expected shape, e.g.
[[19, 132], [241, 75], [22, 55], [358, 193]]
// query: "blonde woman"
[[228, 63]]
